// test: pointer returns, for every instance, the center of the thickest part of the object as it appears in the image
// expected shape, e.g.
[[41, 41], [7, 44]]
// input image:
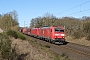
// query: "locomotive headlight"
[[62, 34], [56, 34]]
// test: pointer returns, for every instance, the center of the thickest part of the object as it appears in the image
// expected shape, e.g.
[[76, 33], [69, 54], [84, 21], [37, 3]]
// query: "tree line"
[[9, 21], [77, 27]]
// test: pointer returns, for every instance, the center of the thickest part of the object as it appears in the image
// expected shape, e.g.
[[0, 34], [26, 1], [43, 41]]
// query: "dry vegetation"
[[13, 48], [31, 50], [81, 41], [9, 21]]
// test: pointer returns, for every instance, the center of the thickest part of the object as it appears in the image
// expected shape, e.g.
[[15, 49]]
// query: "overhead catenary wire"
[[75, 7], [79, 12]]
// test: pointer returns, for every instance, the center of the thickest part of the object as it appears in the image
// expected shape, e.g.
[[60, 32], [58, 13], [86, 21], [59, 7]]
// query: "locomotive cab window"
[[59, 30]]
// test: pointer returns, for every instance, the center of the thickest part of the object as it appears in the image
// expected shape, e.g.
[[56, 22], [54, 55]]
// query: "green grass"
[[16, 34]]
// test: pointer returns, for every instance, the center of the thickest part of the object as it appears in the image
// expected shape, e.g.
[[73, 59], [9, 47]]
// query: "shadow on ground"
[[22, 56]]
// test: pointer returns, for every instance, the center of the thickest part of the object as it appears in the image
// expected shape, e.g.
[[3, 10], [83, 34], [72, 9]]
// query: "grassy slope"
[[35, 51], [81, 41]]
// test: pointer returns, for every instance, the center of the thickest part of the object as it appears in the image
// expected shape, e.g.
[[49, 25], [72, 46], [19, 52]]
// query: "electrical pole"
[[24, 23]]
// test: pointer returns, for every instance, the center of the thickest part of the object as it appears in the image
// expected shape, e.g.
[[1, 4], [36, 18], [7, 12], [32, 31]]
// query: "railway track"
[[71, 48], [80, 50], [77, 51]]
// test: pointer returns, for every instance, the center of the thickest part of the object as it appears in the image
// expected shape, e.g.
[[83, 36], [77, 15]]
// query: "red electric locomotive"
[[52, 34], [34, 32], [28, 31]]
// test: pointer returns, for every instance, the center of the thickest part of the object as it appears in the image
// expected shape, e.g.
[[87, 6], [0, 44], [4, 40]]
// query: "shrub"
[[21, 36], [12, 33], [63, 54], [65, 57], [47, 46], [56, 57], [88, 37], [86, 27], [16, 34], [5, 47], [78, 34]]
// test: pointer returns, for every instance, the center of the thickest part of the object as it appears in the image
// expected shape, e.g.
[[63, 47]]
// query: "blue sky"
[[28, 9]]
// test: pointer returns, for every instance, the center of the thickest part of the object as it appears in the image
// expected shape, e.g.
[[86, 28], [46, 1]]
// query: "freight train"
[[51, 34]]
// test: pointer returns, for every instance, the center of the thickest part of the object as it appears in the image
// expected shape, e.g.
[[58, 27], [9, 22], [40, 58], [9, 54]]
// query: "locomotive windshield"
[[59, 30]]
